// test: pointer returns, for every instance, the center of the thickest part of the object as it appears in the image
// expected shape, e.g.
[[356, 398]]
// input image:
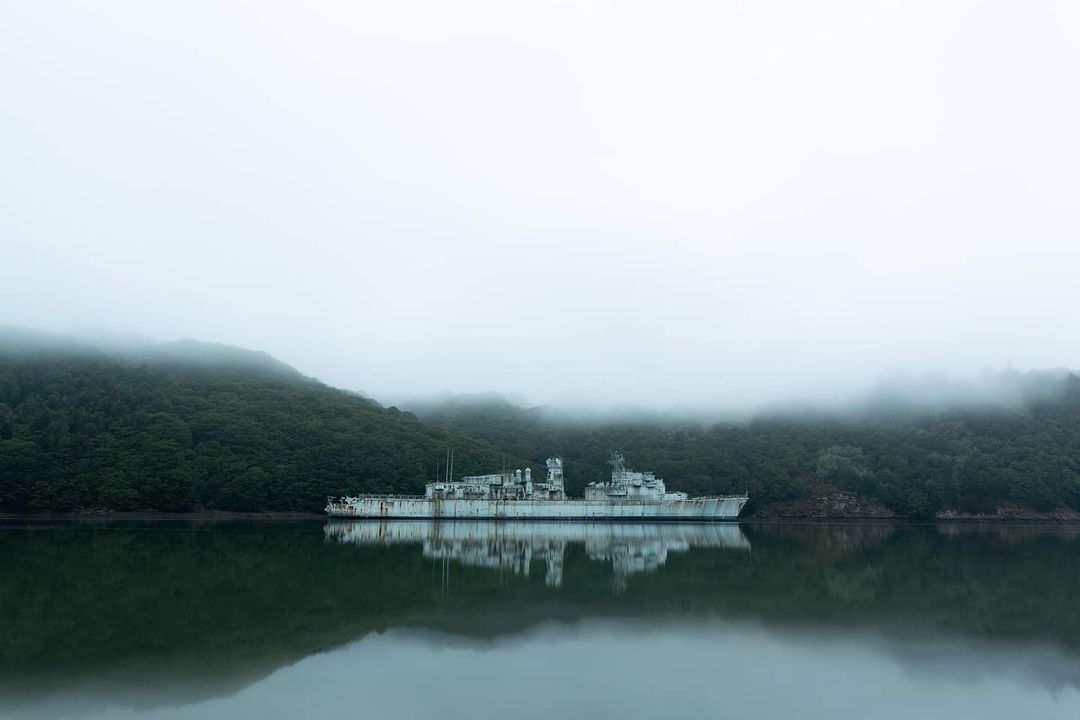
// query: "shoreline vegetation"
[[194, 429]]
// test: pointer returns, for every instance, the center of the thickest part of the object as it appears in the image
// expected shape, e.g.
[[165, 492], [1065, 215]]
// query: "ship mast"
[[617, 462]]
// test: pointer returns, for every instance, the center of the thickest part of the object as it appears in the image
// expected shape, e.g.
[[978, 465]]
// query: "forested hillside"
[[972, 459], [187, 426], [180, 427]]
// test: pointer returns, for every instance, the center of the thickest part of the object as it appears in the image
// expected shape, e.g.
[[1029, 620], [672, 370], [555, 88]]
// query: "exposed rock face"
[[827, 501]]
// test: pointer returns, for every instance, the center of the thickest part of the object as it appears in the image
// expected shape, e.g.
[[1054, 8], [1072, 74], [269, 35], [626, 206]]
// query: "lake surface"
[[163, 619]]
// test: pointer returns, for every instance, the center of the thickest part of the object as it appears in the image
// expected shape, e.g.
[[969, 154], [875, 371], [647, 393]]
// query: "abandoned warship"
[[629, 495]]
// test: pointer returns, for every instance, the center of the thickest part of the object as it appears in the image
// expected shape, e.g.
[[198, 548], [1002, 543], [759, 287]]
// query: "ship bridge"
[[517, 485]]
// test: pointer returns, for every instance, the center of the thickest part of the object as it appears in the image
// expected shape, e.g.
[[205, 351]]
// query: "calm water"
[[414, 620]]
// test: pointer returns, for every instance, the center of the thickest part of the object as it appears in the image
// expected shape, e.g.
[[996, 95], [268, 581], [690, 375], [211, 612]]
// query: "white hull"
[[418, 508]]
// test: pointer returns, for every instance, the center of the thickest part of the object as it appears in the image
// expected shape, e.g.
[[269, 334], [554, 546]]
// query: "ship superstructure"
[[503, 486], [629, 495]]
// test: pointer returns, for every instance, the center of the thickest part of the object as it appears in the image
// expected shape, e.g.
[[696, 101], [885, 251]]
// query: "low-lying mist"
[[894, 395]]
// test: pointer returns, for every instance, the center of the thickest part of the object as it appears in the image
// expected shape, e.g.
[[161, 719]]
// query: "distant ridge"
[[1005, 446]]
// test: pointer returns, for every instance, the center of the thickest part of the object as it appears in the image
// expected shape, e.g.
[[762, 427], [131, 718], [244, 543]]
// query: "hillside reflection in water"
[[485, 620]]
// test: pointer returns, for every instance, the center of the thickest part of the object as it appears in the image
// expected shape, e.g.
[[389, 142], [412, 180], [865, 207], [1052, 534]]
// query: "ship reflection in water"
[[515, 546]]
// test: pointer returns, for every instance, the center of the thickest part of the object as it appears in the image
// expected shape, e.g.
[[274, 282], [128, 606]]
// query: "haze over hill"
[[141, 350], [893, 394]]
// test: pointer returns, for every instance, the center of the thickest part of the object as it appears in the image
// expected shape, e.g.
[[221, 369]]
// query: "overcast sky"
[[649, 202]]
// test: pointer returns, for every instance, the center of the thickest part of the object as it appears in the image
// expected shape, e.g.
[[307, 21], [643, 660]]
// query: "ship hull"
[[398, 508]]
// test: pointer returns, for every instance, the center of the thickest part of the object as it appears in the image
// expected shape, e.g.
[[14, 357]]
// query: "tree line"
[[94, 433]]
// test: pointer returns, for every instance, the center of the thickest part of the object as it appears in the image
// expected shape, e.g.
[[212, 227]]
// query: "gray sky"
[[658, 203]]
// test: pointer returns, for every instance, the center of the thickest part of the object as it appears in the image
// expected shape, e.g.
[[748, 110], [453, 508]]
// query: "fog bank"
[[593, 204]]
